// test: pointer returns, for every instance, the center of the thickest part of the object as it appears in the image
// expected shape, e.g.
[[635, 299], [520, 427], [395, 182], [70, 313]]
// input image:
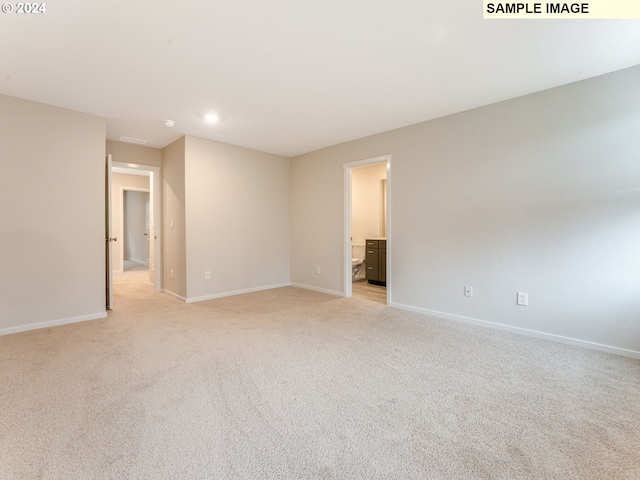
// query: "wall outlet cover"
[[523, 299]]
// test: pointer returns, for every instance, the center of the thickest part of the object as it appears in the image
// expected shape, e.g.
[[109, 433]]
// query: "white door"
[[108, 239], [147, 232], [154, 271]]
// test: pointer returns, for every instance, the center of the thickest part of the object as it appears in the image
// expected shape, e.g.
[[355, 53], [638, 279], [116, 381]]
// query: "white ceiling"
[[291, 76]]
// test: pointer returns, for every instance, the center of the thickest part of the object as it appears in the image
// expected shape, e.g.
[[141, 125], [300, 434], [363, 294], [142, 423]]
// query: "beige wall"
[[366, 205], [52, 232], [230, 208], [173, 210], [137, 154], [120, 181], [537, 194], [237, 217]]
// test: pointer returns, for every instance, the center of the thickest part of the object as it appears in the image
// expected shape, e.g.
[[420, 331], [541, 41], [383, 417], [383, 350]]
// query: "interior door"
[[147, 231], [151, 233], [154, 228], [108, 239]]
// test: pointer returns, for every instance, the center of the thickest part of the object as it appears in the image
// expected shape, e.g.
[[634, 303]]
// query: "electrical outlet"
[[207, 275], [317, 270], [523, 299], [172, 273], [468, 291]]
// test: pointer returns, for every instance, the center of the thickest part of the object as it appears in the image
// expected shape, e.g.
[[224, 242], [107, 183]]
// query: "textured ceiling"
[[291, 76]]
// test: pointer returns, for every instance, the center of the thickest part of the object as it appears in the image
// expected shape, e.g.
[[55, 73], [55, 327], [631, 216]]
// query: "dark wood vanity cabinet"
[[376, 261]]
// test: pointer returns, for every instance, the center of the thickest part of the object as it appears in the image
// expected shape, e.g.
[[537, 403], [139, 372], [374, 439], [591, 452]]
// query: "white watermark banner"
[[588, 9]]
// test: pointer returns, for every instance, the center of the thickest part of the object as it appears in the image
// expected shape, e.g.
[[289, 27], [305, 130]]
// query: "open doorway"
[[135, 215], [135, 219], [367, 262]]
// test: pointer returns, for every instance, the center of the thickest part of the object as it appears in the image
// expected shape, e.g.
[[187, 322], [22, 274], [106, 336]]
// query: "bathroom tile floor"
[[375, 293]]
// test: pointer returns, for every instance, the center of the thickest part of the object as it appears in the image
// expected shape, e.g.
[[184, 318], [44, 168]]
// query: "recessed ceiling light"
[[168, 123], [135, 141], [211, 117]]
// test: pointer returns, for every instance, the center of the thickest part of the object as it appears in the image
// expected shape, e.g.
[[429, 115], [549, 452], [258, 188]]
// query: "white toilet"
[[356, 269], [358, 252]]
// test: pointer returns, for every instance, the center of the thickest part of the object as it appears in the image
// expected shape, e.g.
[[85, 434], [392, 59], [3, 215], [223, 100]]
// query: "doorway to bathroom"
[[367, 259]]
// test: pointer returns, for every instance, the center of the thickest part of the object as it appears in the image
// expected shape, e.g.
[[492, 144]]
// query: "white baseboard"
[[174, 295], [318, 289], [51, 323], [139, 262], [235, 292], [521, 331]]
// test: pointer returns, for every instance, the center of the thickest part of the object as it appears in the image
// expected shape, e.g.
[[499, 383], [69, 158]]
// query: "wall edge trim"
[[521, 331], [51, 323], [318, 289], [234, 292], [174, 295]]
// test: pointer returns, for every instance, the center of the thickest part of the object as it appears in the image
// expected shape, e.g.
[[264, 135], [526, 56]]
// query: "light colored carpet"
[[293, 384], [133, 265]]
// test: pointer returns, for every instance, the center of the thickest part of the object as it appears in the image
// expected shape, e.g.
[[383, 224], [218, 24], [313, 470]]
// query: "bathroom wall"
[[366, 205]]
